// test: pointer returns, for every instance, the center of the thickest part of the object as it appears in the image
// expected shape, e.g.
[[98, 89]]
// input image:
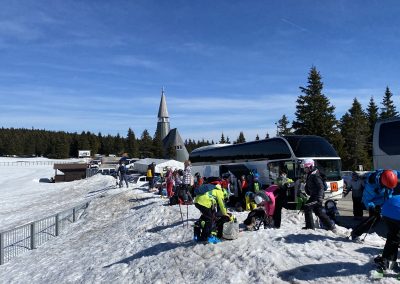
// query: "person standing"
[[315, 189], [356, 186], [170, 182], [150, 176], [122, 174], [187, 182]]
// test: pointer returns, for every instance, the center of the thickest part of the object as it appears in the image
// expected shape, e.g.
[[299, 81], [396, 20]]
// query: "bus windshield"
[[310, 146], [330, 168]]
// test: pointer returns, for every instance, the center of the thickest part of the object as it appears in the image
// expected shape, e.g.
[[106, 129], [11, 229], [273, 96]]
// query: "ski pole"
[[370, 227], [187, 215], [180, 209]]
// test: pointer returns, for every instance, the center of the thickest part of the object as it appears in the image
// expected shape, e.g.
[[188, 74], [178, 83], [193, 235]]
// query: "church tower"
[[163, 117], [173, 145]]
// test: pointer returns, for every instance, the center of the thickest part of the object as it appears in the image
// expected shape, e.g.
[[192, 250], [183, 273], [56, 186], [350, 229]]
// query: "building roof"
[[70, 167], [174, 139], [162, 111]]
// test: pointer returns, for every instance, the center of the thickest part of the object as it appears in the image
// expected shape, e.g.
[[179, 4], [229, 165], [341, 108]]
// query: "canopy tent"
[[160, 165]]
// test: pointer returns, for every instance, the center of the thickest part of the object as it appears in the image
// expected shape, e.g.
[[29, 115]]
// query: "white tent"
[[160, 165]]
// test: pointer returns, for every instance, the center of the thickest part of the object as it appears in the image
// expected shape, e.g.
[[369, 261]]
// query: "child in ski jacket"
[[391, 216]]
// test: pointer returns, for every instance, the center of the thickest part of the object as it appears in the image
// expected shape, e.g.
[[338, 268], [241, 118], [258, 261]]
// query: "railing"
[[32, 235], [33, 163]]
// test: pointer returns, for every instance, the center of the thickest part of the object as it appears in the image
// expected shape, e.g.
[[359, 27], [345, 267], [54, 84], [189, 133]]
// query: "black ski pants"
[[317, 208], [208, 216], [392, 240], [358, 206]]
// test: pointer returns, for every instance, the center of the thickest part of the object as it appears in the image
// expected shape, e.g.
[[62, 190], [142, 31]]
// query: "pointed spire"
[[162, 111]]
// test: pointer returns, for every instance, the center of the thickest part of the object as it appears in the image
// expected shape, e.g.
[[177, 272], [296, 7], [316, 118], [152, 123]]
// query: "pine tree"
[[314, 114], [222, 141], [267, 136], [241, 138], [227, 140], [389, 109], [372, 116], [257, 137], [132, 145], [146, 145], [157, 145], [283, 126], [354, 126]]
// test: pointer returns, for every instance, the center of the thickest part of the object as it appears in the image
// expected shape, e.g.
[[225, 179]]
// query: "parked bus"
[[386, 144], [268, 156]]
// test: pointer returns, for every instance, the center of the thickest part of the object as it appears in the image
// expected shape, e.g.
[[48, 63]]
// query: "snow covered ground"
[[132, 236]]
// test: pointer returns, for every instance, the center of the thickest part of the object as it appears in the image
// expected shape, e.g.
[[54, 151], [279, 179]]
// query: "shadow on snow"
[[152, 251]]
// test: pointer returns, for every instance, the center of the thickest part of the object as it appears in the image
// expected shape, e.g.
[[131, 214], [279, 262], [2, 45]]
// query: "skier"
[[378, 188], [315, 189]]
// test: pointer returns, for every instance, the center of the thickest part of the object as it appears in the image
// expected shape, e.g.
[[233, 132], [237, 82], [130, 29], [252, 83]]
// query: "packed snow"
[[133, 236]]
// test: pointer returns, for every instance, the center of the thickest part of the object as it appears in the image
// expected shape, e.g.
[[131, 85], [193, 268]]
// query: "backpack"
[[203, 189], [122, 169]]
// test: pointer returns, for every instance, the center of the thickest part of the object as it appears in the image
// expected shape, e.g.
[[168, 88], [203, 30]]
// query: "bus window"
[[273, 171], [275, 168]]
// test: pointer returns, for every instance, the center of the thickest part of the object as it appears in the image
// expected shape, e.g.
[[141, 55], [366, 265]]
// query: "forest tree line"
[[351, 135]]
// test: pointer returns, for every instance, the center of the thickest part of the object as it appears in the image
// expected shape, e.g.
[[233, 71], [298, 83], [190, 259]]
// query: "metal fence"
[[32, 163], [30, 236]]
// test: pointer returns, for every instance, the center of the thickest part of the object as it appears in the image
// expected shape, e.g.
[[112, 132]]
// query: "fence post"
[[33, 237], [57, 225], [73, 215], [1, 248]]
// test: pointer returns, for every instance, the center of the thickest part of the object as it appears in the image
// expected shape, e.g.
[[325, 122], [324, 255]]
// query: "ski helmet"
[[389, 179], [308, 163], [258, 199]]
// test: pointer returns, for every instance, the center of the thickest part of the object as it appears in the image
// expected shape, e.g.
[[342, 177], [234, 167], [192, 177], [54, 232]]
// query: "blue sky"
[[227, 66]]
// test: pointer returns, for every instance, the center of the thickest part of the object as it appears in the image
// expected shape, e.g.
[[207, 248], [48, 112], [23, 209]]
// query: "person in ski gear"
[[209, 203], [198, 180], [150, 175], [265, 201], [315, 189], [356, 186], [391, 216], [122, 174], [187, 182], [378, 188], [170, 182], [284, 192], [253, 187], [243, 188]]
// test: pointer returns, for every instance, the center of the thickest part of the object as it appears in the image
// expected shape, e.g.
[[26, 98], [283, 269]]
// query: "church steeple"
[[163, 117]]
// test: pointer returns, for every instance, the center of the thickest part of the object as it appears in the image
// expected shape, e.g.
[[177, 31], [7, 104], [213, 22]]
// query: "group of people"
[[381, 197], [379, 193]]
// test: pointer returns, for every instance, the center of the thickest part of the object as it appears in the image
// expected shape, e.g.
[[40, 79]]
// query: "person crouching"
[[208, 204], [264, 212]]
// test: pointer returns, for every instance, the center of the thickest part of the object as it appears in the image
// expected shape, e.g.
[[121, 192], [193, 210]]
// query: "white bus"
[[386, 144], [268, 156]]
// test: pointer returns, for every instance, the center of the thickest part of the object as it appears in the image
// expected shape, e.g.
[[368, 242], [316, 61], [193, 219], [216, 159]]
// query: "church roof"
[[174, 139], [162, 111]]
